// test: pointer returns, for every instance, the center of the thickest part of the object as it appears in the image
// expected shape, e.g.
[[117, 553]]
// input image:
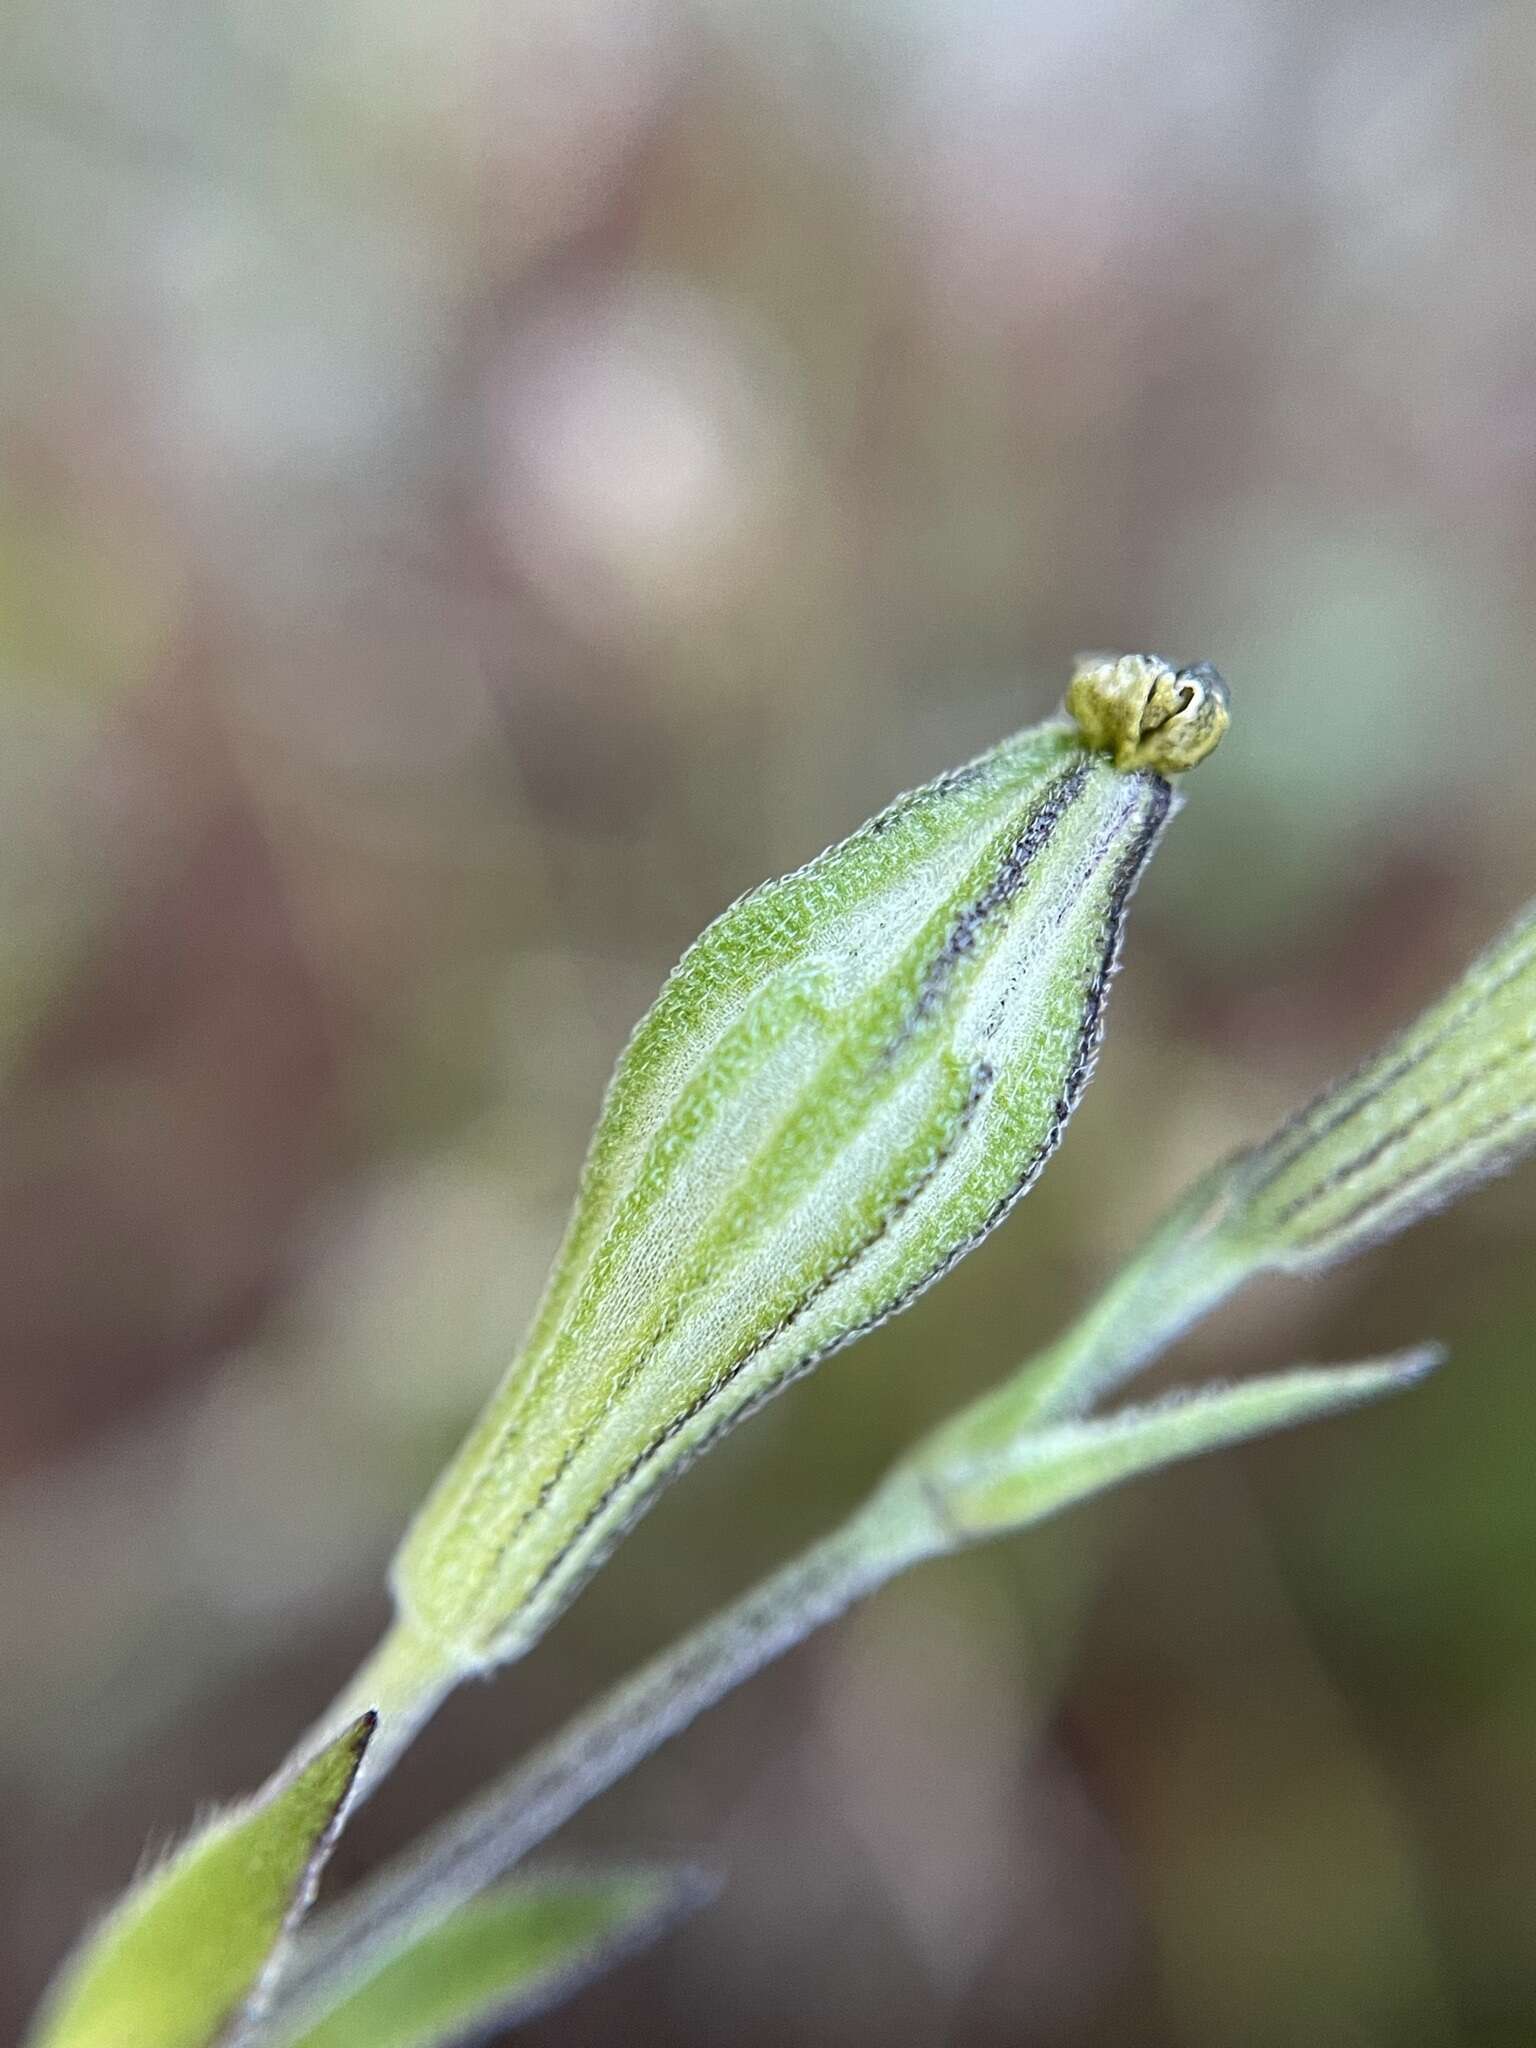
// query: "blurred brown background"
[[482, 485]]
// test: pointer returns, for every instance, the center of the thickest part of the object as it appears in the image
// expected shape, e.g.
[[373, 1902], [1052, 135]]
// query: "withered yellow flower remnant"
[[1145, 713]]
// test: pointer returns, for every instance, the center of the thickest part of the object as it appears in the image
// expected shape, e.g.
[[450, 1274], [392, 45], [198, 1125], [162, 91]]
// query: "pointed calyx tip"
[[1146, 713]]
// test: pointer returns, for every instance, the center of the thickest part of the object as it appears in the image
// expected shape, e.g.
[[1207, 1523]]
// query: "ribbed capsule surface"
[[845, 1083], [1446, 1104]]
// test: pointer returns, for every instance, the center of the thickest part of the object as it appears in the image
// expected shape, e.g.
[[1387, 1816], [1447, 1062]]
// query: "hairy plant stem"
[[488, 1837]]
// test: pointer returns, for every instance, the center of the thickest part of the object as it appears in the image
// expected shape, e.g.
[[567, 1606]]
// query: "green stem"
[[487, 1838]]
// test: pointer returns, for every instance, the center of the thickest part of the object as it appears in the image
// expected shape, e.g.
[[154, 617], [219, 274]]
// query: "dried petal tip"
[[1146, 713]]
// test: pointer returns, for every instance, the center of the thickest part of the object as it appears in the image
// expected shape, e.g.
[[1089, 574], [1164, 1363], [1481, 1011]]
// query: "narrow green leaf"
[[512, 1952], [186, 1953], [982, 1477]]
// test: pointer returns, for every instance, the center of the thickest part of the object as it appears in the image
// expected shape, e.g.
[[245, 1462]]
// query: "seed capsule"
[[846, 1082]]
